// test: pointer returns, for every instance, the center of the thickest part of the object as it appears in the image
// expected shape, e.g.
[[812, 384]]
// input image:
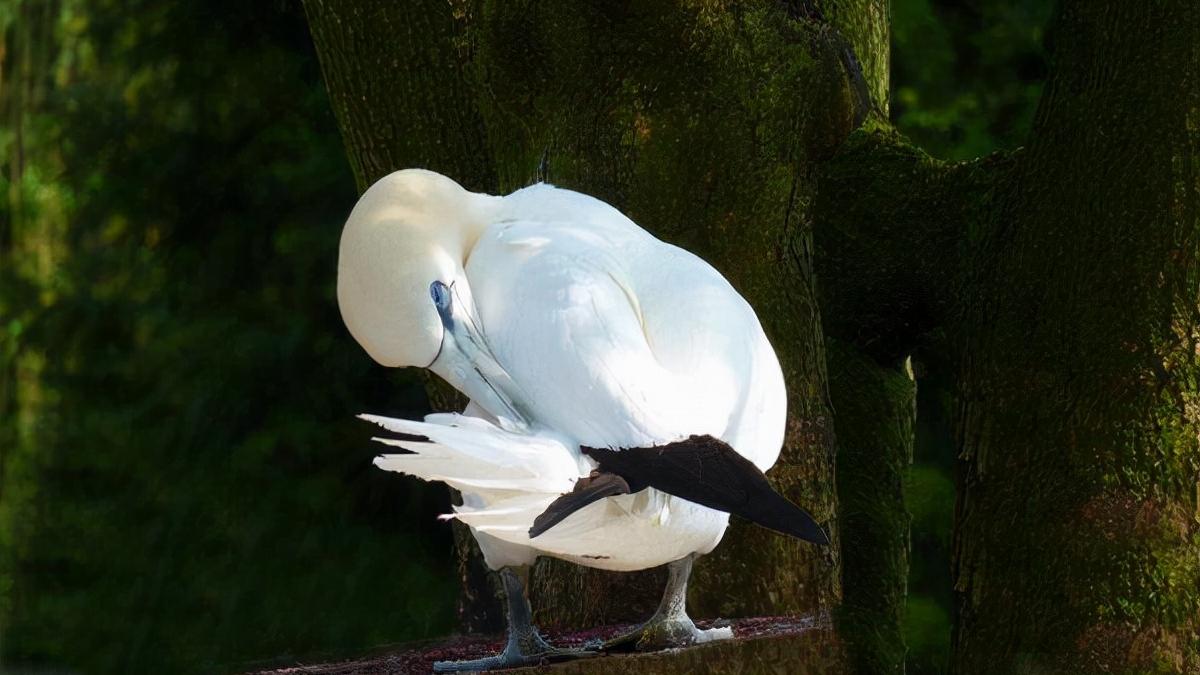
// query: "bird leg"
[[670, 626], [524, 646]]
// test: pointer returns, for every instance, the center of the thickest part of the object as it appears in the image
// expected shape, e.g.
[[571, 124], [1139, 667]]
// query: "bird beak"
[[467, 362]]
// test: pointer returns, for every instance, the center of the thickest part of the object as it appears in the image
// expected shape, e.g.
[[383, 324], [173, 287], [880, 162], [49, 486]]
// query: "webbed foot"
[[670, 627], [525, 646], [663, 634], [528, 652]]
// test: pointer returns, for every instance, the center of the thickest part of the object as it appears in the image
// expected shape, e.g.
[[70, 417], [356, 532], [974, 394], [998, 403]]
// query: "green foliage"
[[932, 503], [183, 486], [930, 492], [927, 634], [967, 74]]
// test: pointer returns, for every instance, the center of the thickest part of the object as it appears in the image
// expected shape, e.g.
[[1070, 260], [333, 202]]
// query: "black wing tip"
[[809, 530], [819, 538], [544, 521], [795, 523], [710, 472]]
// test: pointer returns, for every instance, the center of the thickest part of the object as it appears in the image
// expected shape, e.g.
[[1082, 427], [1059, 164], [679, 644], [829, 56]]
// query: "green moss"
[[930, 499], [893, 229], [1078, 542], [874, 409], [866, 24]]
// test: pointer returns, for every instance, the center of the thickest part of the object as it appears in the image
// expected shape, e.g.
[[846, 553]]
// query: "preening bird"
[[624, 398]]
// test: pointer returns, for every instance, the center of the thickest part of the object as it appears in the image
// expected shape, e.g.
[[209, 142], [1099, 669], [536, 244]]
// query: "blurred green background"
[[182, 485]]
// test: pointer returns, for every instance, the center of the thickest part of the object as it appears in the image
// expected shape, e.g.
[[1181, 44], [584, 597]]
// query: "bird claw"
[[662, 634], [512, 658]]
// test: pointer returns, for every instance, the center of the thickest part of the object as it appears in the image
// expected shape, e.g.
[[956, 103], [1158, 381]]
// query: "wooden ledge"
[[785, 645]]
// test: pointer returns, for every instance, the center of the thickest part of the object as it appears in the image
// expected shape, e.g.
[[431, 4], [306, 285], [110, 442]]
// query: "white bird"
[[624, 398]]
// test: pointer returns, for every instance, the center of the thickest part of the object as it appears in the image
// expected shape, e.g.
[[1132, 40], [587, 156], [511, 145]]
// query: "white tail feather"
[[508, 478]]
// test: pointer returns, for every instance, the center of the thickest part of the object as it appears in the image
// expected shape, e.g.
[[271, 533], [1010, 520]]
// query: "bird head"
[[408, 230]]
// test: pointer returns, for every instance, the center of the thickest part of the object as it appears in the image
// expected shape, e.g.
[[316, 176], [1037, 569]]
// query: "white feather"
[[474, 455], [616, 340]]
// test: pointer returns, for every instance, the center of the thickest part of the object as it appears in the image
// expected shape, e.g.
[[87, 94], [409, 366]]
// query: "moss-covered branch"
[[762, 645], [894, 229]]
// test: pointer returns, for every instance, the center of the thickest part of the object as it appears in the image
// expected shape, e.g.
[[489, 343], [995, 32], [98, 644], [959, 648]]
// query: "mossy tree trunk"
[[886, 216], [874, 411], [1078, 539], [705, 125], [1060, 283]]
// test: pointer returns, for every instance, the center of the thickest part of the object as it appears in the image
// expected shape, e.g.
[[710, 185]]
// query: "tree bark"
[[874, 413], [889, 221], [703, 125], [1078, 533]]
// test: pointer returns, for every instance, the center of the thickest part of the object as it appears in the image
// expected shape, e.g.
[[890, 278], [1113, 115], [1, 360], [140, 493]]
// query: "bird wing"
[[620, 341], [706, 471], [563, 318], [617, 338], [587, 490]]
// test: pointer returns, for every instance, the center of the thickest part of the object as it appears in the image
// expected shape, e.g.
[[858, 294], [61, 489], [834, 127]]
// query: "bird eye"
[[441, 295]]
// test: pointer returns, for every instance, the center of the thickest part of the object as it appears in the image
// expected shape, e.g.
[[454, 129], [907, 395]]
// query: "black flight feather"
[[587, 490], [700, 469]]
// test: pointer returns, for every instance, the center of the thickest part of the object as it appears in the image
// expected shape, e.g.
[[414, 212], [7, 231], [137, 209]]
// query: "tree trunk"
[[703, 125], [1078, 538], [874, 412], [886, 284]]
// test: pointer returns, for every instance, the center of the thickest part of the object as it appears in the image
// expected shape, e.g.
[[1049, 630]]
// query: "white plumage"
[[567, 325], [615, 339]]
